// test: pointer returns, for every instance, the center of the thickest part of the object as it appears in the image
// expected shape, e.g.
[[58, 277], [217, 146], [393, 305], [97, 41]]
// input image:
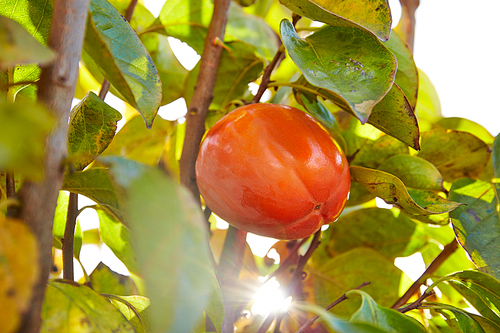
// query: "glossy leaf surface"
[[92, 126], [477, 223], [70, 307], [135, 309], [347, 61], [374, 15], [374, 153], [120, 55]]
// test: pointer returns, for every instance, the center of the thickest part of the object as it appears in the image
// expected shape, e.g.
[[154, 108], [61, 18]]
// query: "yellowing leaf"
[[18, 271]]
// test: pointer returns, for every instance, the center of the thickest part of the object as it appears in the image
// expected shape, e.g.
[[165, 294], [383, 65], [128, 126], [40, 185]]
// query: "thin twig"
[[438, 261], [266, 77], [69, 237], [130, 10], [285, 263], [202, 96], [407, 22], [296, 278], [342, 298], [10, 189], [417, 303]]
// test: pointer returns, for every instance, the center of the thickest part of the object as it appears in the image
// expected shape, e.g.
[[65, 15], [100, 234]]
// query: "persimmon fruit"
[[272, 170]]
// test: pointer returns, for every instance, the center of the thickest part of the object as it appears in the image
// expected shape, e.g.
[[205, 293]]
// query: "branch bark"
[[69, 237], [202, 96], [55, 90], [406, 25], [438, 261]]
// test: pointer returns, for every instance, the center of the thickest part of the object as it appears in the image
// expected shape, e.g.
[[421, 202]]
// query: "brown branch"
[[296, 278], [10, 191], [285, 263], [202, 96], [130, 10], [56, 89], [266, 77], [417, 303], [228, 272], [69, 237], [342, 298], [436, 263], [406, 25]]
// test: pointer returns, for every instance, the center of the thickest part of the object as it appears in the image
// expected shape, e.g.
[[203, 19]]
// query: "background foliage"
[[342, 64]]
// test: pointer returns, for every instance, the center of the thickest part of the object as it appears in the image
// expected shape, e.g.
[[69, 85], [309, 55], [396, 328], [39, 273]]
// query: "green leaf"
[[140, 144], [238, 66], [487, 325], [375, 153], [428, 109], [189, 21], [105, 281], [374, 15], [22, 139], [387, 319], [415, 172], [166, 223], [95, 184], [69, 306], [407, 74], [118, 238], [335, 323], [135, 309], [350, 269], [120, 55], [215, 307], [92, 126], [456, 154], [481, 290], [347, 61], [172, 73], [393, 191], [477, 223], [358, 194], [379, 229], [19, 47], [466, 125], [465, 321], [393, 115]]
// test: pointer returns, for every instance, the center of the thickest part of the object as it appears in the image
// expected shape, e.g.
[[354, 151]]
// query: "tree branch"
[[438, 261], [266, 77], [69, 237], [342, 298], [56, 89], [406, 25], [202, 96], [417, 303]]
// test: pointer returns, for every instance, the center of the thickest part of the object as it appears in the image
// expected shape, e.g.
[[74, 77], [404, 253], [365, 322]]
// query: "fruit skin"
[[272, 170]]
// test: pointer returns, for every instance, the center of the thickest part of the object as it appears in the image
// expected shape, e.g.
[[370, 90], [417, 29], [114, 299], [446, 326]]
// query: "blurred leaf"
[[350, 269], [120, 55], [92, 126], [141, 144], [428, 109], [487, 325], [374, 15], [141, 18], [392, 115], [481, 290], [22, 139], [466, 125], [456, 154], [139, 315], [347, 61], [387, 319], [19, 47], [374, 153], [172, 73], [238, 67], [118, 238], [104, 281], [69, 306], [18, 271], [189, 23], [215, 308], [337, 324], [477, 223], [95, 184], [407, 74], [465, 321], [393, 191], [376, 228], [414, 172], [166, 223]]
